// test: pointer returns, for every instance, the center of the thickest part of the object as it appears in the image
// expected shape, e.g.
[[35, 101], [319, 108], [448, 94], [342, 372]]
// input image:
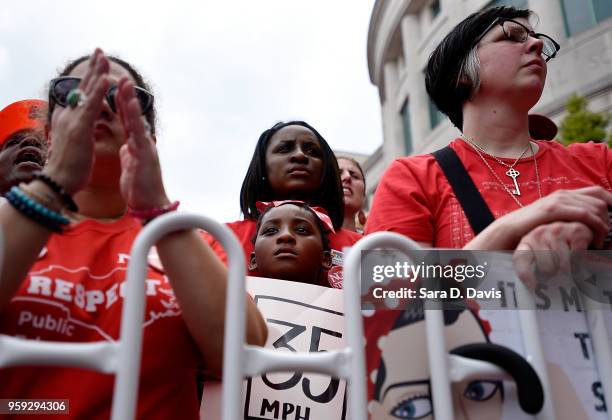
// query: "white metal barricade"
[[123, 357], [444, 368], [243, 361]]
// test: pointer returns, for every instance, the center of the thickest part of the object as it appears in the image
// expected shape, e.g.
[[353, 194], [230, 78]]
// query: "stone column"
[[392, 120], [417, 95]]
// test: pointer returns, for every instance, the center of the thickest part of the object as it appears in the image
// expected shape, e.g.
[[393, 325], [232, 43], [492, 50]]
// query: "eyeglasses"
[[517, 32], [60, 88]]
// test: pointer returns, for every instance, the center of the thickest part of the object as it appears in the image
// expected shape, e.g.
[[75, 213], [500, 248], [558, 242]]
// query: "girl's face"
[[353, 185], [294, 163], [289, 245]]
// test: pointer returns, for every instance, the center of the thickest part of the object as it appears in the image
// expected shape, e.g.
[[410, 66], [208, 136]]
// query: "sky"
[[221, 71]]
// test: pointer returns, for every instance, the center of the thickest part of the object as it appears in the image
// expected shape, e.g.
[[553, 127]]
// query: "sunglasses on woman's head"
[[60, 88]]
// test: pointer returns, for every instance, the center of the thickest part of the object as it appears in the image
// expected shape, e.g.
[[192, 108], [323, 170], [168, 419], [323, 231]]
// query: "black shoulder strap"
[[474, 206]]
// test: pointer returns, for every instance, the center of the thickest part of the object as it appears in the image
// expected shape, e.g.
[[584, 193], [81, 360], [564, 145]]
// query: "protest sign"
[[303, 317], [300, 318]]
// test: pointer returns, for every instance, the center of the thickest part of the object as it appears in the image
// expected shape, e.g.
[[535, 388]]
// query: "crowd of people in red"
[[80, 175]]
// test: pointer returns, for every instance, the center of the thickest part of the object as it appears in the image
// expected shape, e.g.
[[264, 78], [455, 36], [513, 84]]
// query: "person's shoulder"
[[242, 225], [583, 151], [350, 234], [420, 160], [588, 147], [415, 166], [343, 237], [241, 228], [420, 168]]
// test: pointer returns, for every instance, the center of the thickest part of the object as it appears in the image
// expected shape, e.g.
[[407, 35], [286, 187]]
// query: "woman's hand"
[[547, 248], [141, 180], [71, 156], [588, 206]]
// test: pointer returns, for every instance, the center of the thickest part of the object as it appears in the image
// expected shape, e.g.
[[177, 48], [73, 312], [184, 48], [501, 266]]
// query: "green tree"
[[581, 125]]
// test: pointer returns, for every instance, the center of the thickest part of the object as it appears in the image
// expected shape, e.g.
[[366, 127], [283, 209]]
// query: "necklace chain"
[[535, 161], [501, 162]]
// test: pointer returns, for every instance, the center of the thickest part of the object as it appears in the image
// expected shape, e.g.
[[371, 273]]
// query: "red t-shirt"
[[245, 231], [73, 293], [414, 197]]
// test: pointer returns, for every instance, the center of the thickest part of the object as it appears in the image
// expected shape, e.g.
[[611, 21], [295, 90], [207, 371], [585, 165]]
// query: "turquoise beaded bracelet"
[[36, 211]]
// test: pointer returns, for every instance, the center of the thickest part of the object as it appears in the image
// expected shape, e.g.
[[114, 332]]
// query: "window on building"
[[407, 129], [435, 8], [581, 15], [519, 4], [435, 116]]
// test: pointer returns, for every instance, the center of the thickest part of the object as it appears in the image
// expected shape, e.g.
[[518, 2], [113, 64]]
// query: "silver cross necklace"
[[511, 172], [512, 194]]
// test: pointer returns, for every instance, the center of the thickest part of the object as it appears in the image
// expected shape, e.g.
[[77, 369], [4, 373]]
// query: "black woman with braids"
[[292, 161]]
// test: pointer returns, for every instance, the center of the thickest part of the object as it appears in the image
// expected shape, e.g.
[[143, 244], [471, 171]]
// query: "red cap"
[[541, 127], [21, 115]]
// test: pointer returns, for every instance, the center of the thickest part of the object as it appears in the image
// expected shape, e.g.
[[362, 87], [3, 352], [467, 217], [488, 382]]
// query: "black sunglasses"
[[60, 88], [517, 32]]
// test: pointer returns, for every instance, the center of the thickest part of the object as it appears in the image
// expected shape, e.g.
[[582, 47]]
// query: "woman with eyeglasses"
[[486, 75], [67, 240], [292, 161]]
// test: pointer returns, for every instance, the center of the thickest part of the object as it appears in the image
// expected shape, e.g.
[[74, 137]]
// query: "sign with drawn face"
[[399, 380], [403, 390], [300, 318]]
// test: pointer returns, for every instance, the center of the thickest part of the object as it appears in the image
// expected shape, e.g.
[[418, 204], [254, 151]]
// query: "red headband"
[[21, 115], [320, 212]]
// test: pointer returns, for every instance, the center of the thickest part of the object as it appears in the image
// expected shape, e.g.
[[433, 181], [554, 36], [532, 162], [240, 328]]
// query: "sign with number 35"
[[300, 318]]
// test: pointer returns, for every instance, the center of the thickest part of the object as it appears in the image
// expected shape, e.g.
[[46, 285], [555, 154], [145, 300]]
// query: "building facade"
[[403, 33]]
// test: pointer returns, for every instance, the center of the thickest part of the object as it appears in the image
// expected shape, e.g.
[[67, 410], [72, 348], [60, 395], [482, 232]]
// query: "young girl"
[[291, 242], [292, 161]]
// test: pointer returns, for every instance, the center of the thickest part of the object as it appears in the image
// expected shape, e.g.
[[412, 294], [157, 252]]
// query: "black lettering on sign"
[[502, 287], [539, 292], [598, 393], [583, 343], [288, 408], [266, 406], [265, 394], [306, 415], [283, 343], [570, 298], [331, 391], [286, 412]]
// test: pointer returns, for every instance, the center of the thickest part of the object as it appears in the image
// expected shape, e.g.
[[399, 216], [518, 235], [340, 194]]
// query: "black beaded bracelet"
[[59, 190]]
